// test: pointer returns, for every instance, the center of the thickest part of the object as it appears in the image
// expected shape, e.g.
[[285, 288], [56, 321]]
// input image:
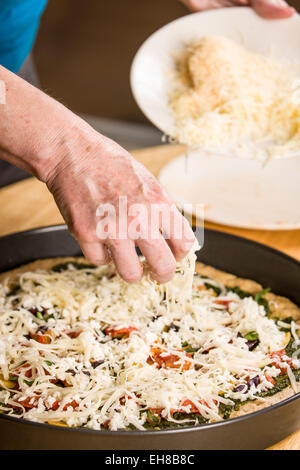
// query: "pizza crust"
[[46, 263], [281, 307], [257, 405]]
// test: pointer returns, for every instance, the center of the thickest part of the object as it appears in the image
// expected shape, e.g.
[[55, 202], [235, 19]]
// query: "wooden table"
[[28, 204]]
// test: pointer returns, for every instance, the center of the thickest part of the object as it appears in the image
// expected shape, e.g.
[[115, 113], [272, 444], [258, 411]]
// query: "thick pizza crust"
[[257, 405], [47, 263], [281, 307]]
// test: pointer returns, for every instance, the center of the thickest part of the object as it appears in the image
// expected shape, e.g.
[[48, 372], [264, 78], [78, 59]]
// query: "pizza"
[[80, 347]]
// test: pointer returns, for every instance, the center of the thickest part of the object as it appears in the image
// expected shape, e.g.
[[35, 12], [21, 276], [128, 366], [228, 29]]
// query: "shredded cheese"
[[228, 99], [81, 347]]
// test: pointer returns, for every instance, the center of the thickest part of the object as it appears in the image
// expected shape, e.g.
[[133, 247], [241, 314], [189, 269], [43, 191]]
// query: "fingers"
[[272, 9], [95, 252], [126, 259], [160, 258], [202, 5], [179, 234], [160, 254]]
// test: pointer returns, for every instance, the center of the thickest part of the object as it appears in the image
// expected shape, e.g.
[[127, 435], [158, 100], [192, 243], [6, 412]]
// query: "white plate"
[[237, 192], [153, 64], [234, 192]]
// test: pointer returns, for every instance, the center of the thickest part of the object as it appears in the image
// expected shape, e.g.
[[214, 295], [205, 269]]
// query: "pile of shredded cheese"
[[84, 348], [228, 99]]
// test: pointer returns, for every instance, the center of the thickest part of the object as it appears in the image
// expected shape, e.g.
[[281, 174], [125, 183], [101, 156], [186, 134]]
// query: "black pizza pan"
[[257, 430]]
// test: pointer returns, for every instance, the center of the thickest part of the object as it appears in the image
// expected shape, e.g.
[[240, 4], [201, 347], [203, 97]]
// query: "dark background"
[[84, 50]]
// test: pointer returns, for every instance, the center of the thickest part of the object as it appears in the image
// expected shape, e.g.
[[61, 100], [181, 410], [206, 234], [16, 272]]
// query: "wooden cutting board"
[[28, 204]]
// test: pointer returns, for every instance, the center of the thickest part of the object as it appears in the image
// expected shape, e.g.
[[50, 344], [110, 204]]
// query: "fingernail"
[[279, 3]]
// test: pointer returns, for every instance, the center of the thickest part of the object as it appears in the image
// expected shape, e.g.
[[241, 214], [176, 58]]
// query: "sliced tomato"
[[223, 302], [124, 399], [156, 412], [270, 379], [32, 402], [73, 404], [193, 408], [170, 361], [74, 334], [54, 406], [278, 357], [28, 372], [200, 287], [119, 332], [44, 338]]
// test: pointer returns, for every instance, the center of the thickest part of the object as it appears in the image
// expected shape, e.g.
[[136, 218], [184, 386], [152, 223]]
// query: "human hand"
[[270, 9], [86, 172], [96, 171]]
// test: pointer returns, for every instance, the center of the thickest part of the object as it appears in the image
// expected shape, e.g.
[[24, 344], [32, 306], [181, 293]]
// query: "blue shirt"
[[19, 21]]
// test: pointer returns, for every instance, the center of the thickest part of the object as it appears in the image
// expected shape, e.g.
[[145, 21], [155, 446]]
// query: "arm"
[[270, 9], [83, 169]]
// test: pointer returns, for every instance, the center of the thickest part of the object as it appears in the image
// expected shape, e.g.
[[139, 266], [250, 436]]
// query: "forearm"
[[35, 130]]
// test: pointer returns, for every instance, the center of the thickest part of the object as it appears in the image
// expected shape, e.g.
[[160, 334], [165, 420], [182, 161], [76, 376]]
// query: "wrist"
[[36, 131], [79, 149], [75, 148], [53, 150], [63, 146]]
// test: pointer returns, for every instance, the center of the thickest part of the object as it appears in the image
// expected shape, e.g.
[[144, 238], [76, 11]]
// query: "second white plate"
[[237, 192]]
